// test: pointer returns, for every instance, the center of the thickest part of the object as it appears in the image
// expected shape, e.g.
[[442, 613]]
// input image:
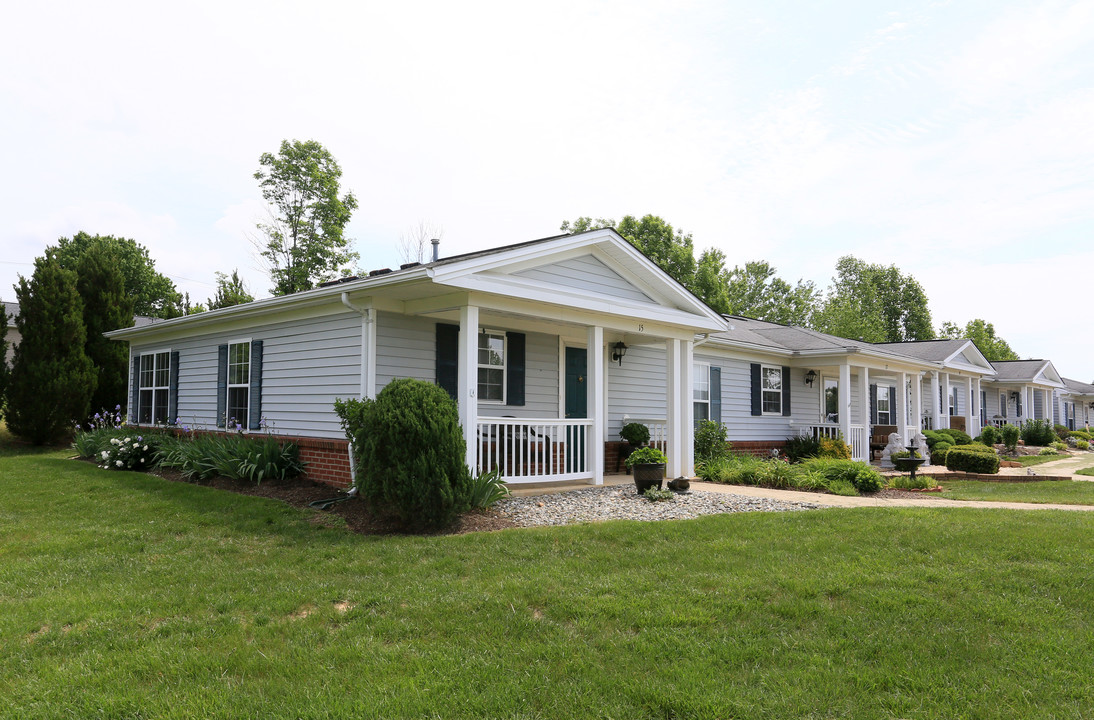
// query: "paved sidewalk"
[[827, 500]]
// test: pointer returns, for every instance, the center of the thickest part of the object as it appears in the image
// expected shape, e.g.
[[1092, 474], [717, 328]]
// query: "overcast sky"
[[954, 139]]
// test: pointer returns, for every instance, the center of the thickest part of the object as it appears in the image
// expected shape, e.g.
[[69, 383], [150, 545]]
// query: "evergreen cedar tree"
[[52, 378], [106, 306], [304, 239], [3, 357], [410, 452]]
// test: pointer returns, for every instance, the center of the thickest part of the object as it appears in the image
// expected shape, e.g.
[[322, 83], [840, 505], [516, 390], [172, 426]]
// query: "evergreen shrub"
[[710, 441], [410, 452], [1061, 431], [971, 461], [865, 478], [1010, 436], [1038, 432], [960, 437], [834, 448], [990, 435]]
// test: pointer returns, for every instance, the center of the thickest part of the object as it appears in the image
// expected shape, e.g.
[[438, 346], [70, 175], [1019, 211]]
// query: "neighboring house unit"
[[548, 348], [1023, 390], [1075, 404], [12, 336]]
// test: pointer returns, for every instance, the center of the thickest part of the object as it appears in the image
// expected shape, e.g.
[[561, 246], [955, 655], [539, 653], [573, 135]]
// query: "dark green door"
[[577, 406]]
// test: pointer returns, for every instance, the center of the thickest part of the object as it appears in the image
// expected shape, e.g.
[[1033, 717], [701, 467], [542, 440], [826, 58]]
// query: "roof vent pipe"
[[436, 249]]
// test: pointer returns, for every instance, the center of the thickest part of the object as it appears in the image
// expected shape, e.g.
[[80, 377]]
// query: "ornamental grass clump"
[[410, 452], [487, 488], [233, 456], [863, 477]]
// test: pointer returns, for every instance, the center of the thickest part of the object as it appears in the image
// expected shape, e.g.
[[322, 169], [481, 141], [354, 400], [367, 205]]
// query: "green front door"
[[577, 406]]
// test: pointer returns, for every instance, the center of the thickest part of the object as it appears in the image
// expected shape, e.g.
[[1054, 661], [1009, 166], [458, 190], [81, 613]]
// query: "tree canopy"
[[983, 334], [3, 357], [755, 291], [153, 294], [874, 303], [304, 241], [230, 291], [106, 306]]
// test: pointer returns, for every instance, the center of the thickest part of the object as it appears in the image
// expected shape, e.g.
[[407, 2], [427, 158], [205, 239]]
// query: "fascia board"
[[541, 292], [267, 306], [743, 348]]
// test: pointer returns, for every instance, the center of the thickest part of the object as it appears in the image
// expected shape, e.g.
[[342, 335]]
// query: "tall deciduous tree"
[[983, 334], [52, 379], [153, 294], [755, 291], [304, 242], [106, 306], [231, 290], [875, 303]]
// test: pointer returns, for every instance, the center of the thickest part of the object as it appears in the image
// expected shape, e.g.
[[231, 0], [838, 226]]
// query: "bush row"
[[839, 476]]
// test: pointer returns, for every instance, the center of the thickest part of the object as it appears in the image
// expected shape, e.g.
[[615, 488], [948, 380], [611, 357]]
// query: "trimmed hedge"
[[977, 447], [972, 461], [960, 437]]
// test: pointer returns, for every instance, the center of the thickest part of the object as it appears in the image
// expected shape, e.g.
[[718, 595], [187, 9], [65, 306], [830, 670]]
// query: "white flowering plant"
[[131, 452]]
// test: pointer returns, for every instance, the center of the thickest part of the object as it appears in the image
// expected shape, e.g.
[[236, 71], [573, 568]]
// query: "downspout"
[[368, 347], [697, 343]]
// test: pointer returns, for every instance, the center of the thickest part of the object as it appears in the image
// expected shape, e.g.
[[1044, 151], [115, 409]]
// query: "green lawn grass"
[[124, 595], [1085, 471], [1068, 492]]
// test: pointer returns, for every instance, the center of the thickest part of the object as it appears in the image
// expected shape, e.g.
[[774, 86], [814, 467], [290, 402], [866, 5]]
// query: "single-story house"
[[1075, 404], [1023, 390], [533, 340]]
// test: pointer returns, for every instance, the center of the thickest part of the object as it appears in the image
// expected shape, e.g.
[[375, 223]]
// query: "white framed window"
[[1003, 404], [700, 391], [771, 390], [884, 408], [1018, 406], [953, 402], [239, 384], [153, 388], [830, 399], [492, 366], [983, 408]]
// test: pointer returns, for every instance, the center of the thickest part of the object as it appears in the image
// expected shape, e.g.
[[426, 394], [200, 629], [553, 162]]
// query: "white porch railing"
[[659, 429], [533, 450], [857, 442]]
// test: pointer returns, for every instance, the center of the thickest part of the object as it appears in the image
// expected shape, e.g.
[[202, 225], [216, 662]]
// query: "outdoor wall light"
[[618, 351], [812, 375]]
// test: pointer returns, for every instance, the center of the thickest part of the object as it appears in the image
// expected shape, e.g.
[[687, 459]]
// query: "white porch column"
[[936, 411], [845, 402], [970, 416], [594, 397], [864, 398], [1029, 411], [980, 410], [917, 402], [687, 468], [368, 356], [467, 399], [901, 407], [944, 401], [673, 420]]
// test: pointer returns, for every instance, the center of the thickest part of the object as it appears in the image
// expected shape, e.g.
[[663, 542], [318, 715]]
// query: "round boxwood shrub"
[[410, 452], [960, 437], [958, 458], [938, 452]]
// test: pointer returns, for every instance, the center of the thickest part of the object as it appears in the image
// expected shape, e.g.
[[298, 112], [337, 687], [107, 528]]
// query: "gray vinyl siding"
[[637, 389], [406, 347], [737, 404], [586, 273], [307, 364]]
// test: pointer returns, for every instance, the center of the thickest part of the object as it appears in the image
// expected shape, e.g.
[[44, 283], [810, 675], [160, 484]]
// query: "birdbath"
[[912, 461]]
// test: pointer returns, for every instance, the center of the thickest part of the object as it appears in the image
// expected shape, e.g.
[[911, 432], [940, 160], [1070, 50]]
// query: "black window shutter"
[[893, 419], [173, 390], [757, 405], [448, 351], [514, 371], [254, 412], [135, 401], [716, 394], [873, 404], [222, 384], [786, 391]]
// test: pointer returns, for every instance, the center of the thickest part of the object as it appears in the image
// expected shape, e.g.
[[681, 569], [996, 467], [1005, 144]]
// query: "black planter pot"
[[647, 475]]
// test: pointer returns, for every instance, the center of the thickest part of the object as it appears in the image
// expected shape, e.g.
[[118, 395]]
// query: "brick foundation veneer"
[[760, 448], [327, 460]]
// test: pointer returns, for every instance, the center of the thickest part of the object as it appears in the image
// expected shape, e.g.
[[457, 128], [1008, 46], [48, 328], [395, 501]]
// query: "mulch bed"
[[359, 518]]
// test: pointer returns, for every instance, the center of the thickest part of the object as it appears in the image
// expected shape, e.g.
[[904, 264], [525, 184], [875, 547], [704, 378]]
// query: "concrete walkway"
[[914, 500]]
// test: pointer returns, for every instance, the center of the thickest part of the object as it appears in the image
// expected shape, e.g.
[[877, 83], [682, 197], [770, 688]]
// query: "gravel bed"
[[622, 502]]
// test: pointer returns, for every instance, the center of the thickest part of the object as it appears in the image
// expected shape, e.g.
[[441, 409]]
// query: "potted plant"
[[649, 468]]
